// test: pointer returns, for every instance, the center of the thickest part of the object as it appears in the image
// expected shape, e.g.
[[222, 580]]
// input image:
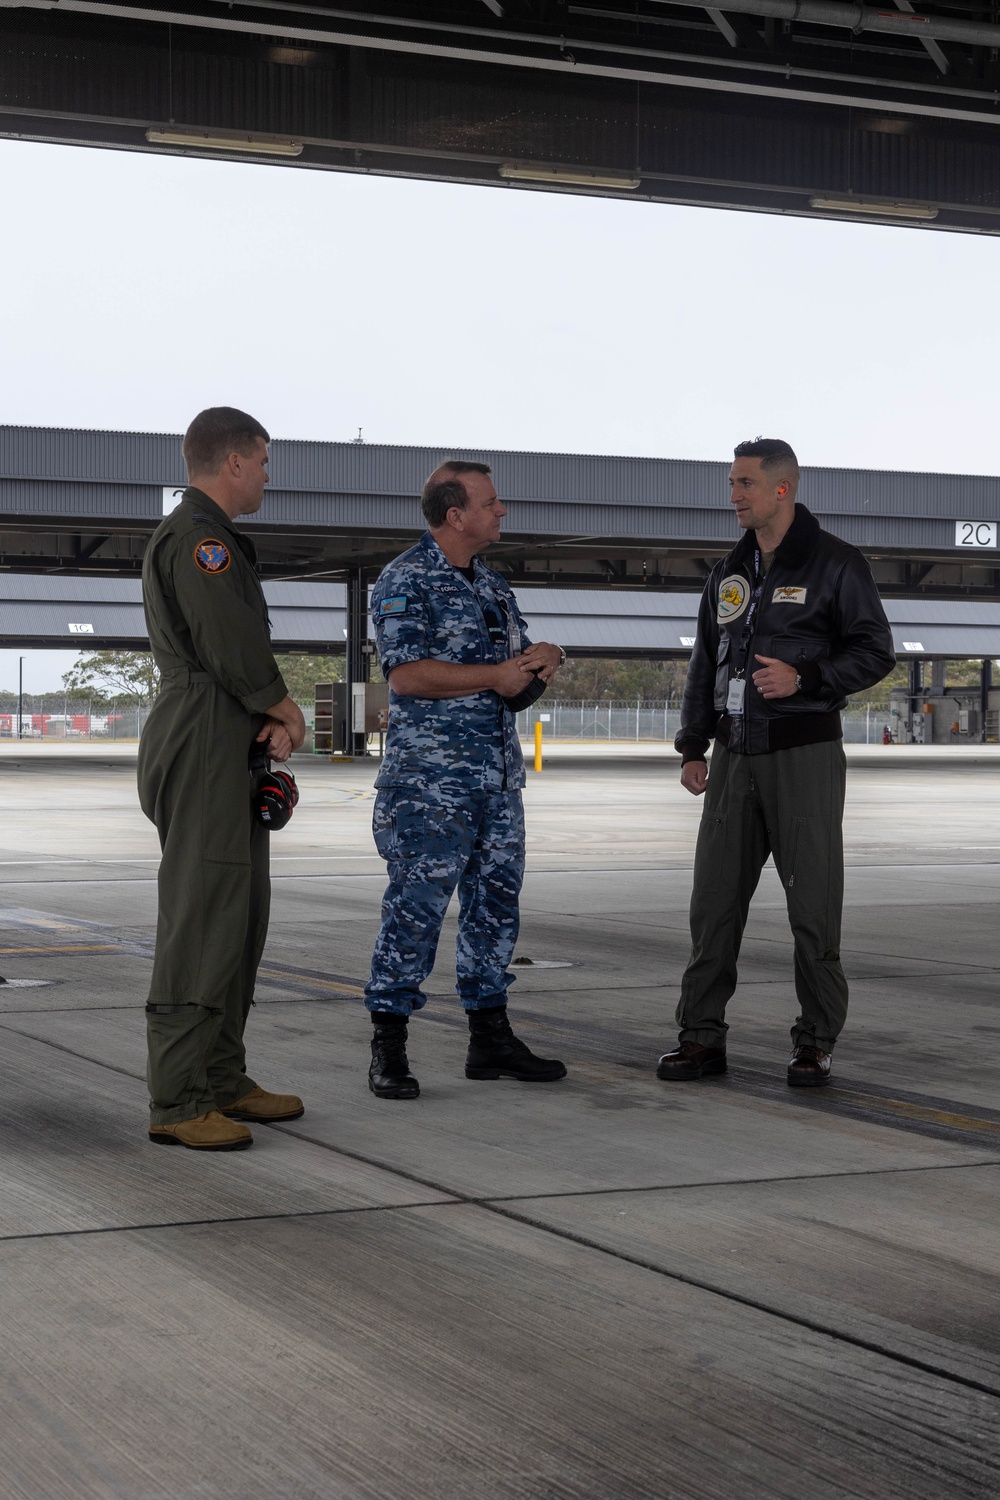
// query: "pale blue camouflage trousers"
[[434, 841]]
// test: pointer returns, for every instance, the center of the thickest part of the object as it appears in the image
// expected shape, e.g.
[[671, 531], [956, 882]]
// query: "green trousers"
[[214, 899], [788, 803]]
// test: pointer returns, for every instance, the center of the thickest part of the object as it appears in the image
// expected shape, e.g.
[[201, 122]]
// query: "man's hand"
[[279, 741], [510, 677], [284, 729], [543, 658], [776, 679], [694, 777]]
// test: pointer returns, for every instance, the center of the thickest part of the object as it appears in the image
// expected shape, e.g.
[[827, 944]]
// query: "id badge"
[[513, 631], [737, 688]]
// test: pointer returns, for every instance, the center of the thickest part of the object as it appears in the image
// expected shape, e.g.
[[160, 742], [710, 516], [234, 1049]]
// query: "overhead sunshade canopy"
[[813, 107], [85, 504], [106, 614]]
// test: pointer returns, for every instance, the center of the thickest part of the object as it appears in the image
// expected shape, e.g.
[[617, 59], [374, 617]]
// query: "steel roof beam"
[[860, 18], [930, 47], [734, 29], [822, 12]]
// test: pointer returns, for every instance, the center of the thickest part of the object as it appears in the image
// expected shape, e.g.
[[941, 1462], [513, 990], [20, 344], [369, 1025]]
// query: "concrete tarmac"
[[607, 1287]]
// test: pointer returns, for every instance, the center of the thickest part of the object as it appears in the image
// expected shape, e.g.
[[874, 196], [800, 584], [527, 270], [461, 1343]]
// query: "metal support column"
[[985, 683], [916, 698], [358, 659]]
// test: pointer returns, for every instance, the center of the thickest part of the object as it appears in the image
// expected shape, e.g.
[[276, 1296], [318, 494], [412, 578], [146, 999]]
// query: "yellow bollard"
[[538, 744]]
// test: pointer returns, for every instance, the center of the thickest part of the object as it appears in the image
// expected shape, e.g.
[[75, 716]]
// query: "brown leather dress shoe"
[[208, 1132], [263, 1107], [691, 1060], [809, 1067]]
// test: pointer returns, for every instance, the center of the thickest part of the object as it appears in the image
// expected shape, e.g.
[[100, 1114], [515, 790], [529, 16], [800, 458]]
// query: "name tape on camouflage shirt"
[[396, 606], [212, 556]]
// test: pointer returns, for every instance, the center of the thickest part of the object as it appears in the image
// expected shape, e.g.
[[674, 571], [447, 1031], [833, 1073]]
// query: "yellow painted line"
[[70, 948], [322, 984], [919, 1112]]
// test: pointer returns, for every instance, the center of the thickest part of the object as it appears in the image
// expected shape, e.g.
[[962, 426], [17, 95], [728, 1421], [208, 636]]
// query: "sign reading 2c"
[[975, 533]]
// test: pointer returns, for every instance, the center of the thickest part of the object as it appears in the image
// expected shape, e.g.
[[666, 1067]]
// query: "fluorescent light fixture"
[[515, 171], [246, 145], [874, 208]]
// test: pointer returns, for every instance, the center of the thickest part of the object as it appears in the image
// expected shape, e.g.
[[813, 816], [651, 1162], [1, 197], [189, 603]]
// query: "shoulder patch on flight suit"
[[396, 606], [212, 556], [734, 596]]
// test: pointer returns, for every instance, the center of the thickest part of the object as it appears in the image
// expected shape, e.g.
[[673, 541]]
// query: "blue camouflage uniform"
[[448, 806]]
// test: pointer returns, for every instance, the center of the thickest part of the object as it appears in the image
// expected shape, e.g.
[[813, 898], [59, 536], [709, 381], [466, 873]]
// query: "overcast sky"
[[139, 289]]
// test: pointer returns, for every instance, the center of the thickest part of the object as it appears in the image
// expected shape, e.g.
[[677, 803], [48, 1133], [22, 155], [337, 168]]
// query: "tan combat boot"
[[263, 1107], [209, 1132]]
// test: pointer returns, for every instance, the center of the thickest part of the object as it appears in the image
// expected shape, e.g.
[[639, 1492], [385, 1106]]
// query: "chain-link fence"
[[54, 718], [658, 722]]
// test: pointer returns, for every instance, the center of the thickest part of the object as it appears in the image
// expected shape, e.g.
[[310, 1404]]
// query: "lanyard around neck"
[[760, 578]]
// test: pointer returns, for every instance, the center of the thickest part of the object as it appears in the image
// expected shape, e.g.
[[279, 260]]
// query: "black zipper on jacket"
[[745, 740]]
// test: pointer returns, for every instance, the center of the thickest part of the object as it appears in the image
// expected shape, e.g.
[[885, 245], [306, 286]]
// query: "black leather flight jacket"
[[819, 611]]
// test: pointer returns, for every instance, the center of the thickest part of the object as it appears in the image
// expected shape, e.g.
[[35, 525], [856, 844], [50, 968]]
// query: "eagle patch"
[[212, 556]]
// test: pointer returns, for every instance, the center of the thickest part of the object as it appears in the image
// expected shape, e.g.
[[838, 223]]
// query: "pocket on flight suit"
[[715, 863], [225, 784], [805, 863]]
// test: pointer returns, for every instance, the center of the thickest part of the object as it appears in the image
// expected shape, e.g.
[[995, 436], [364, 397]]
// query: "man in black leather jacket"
[[790, 623]]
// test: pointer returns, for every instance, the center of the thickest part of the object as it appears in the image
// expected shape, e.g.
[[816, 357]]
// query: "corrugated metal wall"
[[50, 472]]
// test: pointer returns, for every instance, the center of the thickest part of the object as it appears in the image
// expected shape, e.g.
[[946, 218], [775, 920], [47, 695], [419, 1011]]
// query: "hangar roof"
[[43, 611], [826, 108], [602, 623], [98, 614], [86, 502]]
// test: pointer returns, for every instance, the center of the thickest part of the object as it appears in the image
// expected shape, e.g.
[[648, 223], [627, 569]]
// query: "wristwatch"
[[562, 654], [798, 683]]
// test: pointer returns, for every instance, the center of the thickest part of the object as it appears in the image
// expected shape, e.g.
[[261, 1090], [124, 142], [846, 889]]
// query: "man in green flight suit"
[[220, 689]]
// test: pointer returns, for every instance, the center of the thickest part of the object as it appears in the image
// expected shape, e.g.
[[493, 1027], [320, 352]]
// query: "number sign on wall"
[[975, 533]]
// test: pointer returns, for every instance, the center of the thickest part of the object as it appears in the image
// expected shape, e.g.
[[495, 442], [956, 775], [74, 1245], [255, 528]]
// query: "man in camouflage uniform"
[[454, 648], [220, 689]]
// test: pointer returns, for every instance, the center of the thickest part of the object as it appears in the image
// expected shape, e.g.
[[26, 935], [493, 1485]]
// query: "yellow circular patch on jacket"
[[212, 556], [734, 596]]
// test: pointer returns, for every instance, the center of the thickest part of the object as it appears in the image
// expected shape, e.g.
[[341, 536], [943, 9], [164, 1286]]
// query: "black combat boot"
[[495, 1052], [389, 1076]]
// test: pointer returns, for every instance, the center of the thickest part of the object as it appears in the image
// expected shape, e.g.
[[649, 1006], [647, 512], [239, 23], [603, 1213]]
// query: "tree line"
[[120, 679]]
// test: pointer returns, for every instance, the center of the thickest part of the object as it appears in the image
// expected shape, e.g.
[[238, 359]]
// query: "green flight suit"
[[208, 629]]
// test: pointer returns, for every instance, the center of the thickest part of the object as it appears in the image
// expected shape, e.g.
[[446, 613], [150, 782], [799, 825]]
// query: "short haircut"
[[217, 432], [444, 489], [774, 453]]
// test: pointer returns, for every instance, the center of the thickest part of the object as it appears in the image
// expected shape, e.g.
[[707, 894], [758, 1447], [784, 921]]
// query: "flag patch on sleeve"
[[396, 606]]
